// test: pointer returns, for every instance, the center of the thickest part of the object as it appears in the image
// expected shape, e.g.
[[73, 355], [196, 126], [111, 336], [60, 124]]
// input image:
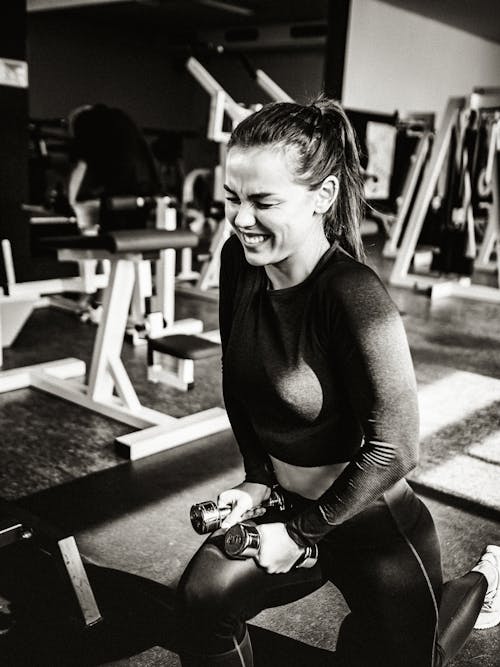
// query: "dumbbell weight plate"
[[207, 517], [242, 540]]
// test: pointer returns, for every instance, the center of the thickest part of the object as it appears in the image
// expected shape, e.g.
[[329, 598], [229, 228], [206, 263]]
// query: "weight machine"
[[222, 105], [107, 388], [418, 129], [18, 300], [18, 526], [488, 186], [448, 198]]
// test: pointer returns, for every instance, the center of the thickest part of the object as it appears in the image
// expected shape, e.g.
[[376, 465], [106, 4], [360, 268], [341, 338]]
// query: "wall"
[[397, 60], [13, 143], [298, 71], [73, 63]]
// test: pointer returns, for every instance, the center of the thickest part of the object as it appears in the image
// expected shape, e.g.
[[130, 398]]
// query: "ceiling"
[[479, 17], [195, 13]]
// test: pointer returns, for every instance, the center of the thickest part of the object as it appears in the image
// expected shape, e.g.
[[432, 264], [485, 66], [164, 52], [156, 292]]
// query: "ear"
[[326, 194]]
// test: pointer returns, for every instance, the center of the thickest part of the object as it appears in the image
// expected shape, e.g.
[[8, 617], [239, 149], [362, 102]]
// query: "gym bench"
[[18, 525], [108, 389], [171, 358]]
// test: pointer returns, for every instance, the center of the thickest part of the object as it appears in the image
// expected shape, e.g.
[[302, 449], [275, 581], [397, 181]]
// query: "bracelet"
[[307, 558]]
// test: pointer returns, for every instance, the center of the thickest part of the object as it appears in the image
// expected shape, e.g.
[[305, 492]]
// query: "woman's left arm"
[[370, 350]]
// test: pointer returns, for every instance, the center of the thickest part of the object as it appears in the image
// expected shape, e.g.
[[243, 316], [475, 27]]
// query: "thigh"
[[214, 585], [386, 575]]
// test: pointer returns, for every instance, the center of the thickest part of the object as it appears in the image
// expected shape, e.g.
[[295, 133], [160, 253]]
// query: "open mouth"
[[255, 239]]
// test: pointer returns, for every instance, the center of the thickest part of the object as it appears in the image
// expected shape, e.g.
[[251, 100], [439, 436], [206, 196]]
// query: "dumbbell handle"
[[207, 517], [243, 541]]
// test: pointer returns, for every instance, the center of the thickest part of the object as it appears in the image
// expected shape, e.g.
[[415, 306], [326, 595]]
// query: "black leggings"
[[385, 561]]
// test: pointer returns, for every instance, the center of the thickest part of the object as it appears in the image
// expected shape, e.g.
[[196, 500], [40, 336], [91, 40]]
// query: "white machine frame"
[[444, 287], [418, 161], [221, 105], [23, 298], [161, 321], [108, 389]]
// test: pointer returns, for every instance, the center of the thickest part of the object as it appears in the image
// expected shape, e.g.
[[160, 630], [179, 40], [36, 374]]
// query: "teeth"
[[253, 239]]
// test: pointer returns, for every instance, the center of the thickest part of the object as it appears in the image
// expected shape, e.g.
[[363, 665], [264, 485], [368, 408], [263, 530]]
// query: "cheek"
[[229, 213]]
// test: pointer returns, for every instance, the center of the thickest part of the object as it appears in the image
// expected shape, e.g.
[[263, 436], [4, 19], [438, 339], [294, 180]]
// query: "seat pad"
[[126, 240], [184, 346]]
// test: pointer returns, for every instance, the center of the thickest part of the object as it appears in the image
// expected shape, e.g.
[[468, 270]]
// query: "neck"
[[295, 269]]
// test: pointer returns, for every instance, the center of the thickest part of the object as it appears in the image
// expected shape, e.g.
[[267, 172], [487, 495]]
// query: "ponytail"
[[324, 144], [338, 154]]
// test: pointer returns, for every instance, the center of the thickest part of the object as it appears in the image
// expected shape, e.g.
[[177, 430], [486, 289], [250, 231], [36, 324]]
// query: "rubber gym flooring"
[[131, 522]]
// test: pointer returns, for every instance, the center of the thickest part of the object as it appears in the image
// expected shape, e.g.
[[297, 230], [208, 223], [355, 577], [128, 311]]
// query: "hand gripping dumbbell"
[[207, 517], [243, 541]]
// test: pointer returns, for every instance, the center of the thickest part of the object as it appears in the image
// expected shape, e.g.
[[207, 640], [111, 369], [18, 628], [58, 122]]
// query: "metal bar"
[[391, 246], [424, 197], [111, 330]]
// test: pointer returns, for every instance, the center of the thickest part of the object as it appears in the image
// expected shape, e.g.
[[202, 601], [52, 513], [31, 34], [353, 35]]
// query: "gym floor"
[[131, 522]]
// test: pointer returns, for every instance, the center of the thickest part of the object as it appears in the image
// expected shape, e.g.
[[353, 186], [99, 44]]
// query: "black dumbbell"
[[207, 517], [243, 541]]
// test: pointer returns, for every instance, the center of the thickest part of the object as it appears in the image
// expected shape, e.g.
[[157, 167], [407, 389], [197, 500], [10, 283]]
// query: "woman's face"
[[275, 218]]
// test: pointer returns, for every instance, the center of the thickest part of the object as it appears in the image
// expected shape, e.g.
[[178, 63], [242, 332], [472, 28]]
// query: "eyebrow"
[[255, 195]]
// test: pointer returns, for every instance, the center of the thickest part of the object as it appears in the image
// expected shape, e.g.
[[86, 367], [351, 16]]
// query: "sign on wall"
[[13, 73]]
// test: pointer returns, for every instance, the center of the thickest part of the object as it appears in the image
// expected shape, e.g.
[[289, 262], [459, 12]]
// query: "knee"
[[204, 586]]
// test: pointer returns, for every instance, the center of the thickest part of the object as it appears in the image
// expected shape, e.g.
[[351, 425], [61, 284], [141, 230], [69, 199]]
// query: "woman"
[[320, 390]]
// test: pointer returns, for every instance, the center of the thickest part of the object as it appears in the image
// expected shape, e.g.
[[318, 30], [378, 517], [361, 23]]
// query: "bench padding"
[[127, 240], [184, 346]]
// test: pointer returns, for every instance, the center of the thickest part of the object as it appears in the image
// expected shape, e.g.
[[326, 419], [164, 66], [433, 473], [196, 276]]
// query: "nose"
[[244, 217]]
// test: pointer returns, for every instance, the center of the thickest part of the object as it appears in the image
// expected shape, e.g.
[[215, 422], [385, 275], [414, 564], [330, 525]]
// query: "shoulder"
[[344, 277], [235, 271], [232, 249], [232, 258], [353, 288]]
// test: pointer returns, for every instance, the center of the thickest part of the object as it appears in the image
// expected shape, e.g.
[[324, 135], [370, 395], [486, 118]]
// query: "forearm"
[[371, 355], [356, 488], [257, 464]]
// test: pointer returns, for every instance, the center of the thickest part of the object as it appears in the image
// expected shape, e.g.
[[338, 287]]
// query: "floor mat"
[[460, 441], [132, 524]]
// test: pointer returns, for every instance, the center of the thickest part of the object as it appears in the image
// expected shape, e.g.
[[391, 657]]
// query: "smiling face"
[[278, 221]]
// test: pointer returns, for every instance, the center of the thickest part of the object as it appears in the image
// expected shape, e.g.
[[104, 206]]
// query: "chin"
[[255, 258]]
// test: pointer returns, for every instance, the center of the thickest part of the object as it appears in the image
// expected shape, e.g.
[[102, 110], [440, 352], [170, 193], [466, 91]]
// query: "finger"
[[234, 517], [225, 500], [253, 513], [259, 511]]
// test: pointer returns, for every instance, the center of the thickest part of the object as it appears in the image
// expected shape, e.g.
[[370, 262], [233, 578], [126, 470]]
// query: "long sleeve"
[[258, 467], [370, 351]]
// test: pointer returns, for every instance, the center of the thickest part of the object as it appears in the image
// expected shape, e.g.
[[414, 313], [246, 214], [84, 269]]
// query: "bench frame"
[[109, 390]]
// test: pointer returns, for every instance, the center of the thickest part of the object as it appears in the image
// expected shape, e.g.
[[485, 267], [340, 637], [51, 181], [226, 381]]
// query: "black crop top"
[[315, 374]]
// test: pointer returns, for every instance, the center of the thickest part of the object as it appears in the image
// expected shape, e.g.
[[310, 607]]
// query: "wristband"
[[308, 558]]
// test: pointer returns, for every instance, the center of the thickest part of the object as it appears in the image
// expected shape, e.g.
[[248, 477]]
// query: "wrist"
[[297, 536]]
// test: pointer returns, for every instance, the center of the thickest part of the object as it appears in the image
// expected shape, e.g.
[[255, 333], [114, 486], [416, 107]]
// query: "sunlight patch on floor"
[[454, 398]]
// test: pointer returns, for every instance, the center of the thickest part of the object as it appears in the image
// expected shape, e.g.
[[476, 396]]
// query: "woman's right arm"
[[259, 477]]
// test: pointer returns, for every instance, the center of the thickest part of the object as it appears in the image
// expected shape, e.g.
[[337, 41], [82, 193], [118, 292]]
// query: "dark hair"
[[324, 144]]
